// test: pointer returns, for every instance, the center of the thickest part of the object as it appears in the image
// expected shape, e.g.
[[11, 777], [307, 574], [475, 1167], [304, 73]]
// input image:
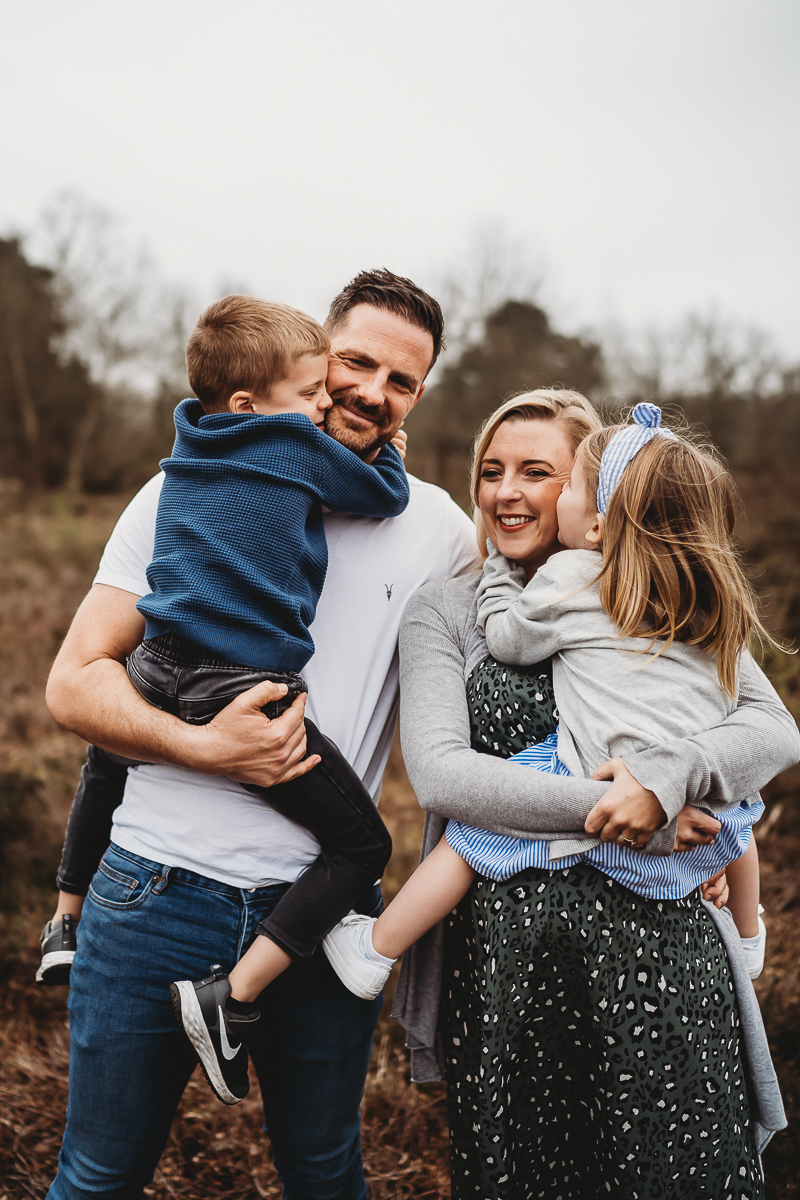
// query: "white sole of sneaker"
[[191, 1018], [348, 978], [56, 958]]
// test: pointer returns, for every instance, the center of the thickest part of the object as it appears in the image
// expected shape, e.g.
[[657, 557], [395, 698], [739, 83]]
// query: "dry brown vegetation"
[[48, 551]]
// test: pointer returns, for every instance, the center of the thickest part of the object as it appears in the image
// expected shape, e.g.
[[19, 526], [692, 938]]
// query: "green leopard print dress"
[[591, 1037]]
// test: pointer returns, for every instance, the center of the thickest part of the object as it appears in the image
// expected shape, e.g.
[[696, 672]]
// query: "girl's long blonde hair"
[[670, 569], [570, 408]]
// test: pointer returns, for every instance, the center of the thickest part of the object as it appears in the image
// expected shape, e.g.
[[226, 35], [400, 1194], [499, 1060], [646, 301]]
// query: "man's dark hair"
[[391, 293]]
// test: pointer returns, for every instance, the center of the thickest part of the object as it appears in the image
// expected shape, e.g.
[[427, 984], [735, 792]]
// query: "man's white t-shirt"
[[211, 824]]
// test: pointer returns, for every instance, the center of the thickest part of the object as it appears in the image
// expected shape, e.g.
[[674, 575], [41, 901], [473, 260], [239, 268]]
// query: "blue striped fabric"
[[656, 877], [624, 446]]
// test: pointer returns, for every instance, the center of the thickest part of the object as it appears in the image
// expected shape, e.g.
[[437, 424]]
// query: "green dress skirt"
[[591, 1037]]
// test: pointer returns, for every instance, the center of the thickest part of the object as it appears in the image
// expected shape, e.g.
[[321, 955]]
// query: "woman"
[[570, 1073]]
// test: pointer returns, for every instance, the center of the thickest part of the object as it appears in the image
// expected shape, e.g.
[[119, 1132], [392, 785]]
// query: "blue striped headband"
[[624, 446]]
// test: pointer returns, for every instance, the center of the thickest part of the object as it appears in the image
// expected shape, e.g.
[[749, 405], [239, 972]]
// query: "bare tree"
[[701, 355], [493, 268], [102, 288]]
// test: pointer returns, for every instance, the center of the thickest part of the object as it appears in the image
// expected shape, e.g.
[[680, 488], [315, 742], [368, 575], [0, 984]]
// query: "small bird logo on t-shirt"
[[389, 588]]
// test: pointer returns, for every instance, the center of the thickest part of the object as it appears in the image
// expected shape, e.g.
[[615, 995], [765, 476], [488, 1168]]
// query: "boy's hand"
[[628, 812], [400, 441], [715, 889], [695, 828], [246, 746]]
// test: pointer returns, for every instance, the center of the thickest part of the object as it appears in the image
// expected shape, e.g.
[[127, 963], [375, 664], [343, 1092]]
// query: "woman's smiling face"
[[523, 471]]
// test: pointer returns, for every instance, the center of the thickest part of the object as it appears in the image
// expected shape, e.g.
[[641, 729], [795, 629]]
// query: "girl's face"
[[578, 522], [525, 467]]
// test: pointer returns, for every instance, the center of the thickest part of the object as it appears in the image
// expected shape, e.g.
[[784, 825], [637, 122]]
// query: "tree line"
[[71, 419]]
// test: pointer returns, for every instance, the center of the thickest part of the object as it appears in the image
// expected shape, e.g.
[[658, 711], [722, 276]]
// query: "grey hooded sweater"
[[439, 646]]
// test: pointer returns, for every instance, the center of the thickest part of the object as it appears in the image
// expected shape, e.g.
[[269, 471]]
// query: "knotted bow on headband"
[[624, 446]]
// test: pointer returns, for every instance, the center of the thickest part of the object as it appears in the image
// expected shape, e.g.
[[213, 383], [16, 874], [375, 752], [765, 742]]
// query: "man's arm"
[[89, 692]]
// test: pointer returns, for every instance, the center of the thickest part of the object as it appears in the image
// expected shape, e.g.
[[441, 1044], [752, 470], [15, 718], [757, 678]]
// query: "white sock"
[[753, 943], [369, 951]]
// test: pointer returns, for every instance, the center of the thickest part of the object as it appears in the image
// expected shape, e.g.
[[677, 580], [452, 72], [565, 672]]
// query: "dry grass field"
[[48, 551]]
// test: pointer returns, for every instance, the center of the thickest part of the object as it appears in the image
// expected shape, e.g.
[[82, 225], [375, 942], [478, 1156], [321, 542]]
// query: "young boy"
[[239, 563]]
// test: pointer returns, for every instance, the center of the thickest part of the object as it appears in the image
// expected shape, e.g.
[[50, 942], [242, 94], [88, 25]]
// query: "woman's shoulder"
[[448, 595], [447, 602]]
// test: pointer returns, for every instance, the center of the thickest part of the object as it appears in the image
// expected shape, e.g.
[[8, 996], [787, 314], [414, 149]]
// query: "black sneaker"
[[216, 1034], [58, 951]]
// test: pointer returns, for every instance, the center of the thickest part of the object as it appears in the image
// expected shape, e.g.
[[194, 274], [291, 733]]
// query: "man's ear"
[[241, 402], [417, 397], [594, 535]]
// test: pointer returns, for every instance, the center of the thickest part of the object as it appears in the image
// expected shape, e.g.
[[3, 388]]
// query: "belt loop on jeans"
[[160, 881]]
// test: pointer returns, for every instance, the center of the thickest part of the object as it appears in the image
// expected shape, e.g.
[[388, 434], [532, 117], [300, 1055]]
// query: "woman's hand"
[[628, 812], [715, 889], [400, 441], [695, 828]]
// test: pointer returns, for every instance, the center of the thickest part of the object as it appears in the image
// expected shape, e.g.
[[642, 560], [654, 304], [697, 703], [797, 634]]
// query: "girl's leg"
[[362, 950], [436, 887], [743, 882], [434, 890]]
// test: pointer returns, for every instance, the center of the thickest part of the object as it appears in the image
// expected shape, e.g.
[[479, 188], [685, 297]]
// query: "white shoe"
[[345, 947], [754, 954]]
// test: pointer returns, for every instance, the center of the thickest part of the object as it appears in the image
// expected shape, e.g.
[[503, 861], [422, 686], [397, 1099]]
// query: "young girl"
[[661, 513]]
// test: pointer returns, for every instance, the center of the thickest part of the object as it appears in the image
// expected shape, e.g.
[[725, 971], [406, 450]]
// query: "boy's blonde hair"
[[670, 569], [244, 344], [570, 408]]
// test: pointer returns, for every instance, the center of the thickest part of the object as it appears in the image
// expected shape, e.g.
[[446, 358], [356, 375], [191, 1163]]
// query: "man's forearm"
[[99, 703], [89, 692]]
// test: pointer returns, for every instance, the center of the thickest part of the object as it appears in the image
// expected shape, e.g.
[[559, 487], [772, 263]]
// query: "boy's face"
[[578, 522], [302, 391]]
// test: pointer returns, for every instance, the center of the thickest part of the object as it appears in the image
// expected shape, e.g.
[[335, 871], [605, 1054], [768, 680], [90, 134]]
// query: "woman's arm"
[[448, 776], [727, 763], [731, 761]]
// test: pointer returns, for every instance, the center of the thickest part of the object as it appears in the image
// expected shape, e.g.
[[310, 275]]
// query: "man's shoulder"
[[430, 503], [430, 495]]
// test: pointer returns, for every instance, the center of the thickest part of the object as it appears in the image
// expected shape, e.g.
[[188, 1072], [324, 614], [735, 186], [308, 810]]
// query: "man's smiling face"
[[376, 375]]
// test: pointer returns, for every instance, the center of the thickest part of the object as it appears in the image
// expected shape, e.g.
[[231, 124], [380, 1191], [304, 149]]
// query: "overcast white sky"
[[648, 151]]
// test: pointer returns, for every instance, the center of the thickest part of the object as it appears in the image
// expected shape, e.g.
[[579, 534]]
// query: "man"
[[196, 859]]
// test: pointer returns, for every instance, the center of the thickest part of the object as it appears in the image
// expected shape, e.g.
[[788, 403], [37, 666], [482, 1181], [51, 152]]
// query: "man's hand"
[[245, 745], [89, 692], [628, 812], [715, 889], [695, 828]]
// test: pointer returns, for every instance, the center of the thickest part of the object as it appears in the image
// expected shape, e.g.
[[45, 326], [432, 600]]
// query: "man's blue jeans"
[[145, 925]]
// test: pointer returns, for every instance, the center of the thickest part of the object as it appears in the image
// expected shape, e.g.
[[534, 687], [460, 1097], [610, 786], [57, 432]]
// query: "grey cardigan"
[[439, 646]]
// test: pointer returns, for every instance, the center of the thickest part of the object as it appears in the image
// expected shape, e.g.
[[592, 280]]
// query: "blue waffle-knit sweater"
[[240, 553]]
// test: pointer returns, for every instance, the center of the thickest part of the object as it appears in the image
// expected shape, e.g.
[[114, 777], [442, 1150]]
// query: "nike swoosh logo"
[[227, 1050]]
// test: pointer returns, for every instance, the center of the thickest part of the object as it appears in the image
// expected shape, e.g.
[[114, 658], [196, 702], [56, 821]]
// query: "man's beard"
[[365, 440]]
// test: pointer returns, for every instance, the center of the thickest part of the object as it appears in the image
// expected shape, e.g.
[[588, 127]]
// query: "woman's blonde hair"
[[670, 568], [571, 409]]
